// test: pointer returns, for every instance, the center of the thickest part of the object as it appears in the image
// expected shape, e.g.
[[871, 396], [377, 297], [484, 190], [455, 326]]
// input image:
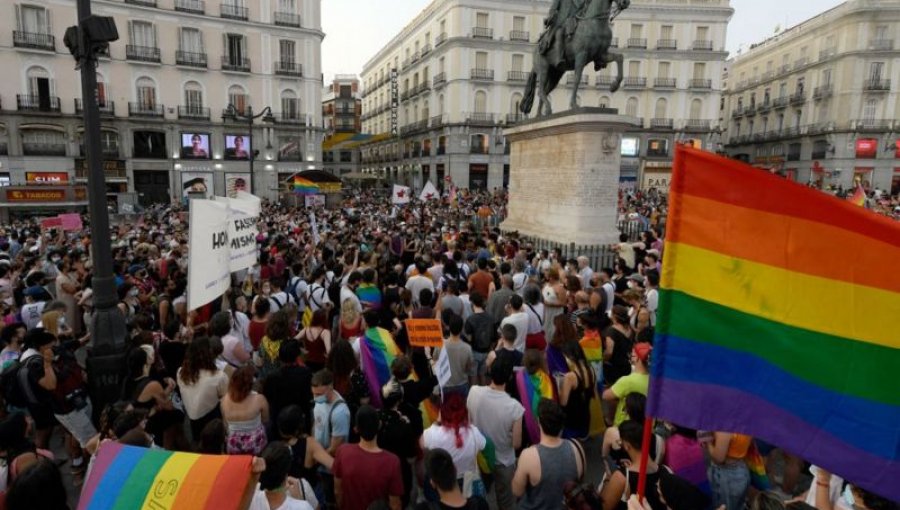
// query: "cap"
[[35, 291], [642, 350], [135, 268], [636, 278]]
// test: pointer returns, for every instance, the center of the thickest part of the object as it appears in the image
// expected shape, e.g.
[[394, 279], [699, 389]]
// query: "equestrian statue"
[[576, 33]]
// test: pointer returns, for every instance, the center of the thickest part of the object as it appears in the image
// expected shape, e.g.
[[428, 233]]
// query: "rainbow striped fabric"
[[369, 296], [124, 477], [533, 388], [377, 351], [304, 186], [858, 197], [778, 319]]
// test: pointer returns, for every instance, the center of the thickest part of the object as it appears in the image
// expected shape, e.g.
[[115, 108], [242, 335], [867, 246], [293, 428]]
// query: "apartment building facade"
[[454, 77], [176, 92], [818, 102]]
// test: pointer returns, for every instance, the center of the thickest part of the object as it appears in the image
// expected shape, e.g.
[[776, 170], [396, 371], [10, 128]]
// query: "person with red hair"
[[462, 440], [246, 414]]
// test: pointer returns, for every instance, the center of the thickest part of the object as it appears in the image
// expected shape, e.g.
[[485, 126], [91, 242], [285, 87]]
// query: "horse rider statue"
[[576, 33]]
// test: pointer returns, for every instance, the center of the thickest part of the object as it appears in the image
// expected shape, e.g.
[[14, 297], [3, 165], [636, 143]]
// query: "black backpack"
[[15, 385]]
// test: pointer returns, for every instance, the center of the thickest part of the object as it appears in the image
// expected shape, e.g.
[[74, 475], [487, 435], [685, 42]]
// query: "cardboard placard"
[[48, 223], [71, 222], [424, 332]]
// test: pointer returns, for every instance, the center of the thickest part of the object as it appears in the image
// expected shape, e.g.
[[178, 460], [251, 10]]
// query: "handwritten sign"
[[71, 221], [424, 332], [48, 223]]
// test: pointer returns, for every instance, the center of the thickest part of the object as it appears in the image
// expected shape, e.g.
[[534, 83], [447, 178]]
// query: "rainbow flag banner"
[[532, 388], [858, 197], [125, 477], [304, 186], [369, 296], [377, 351], [778, 319]]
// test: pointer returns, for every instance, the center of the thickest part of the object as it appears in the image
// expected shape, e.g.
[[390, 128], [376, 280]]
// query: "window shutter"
[[19, 21]]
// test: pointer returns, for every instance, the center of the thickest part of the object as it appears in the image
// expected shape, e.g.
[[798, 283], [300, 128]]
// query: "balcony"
[[237, 12], [635, 82], [780, 102], [758, 137], [145, 110], [191, 6], [784, 69], [478, 73], [614, 42], [440, 39], [483, 33], [426, 49], [436, 122], [702, 45], [288, 68], [667, 124], [764, 107], [667, 44], [517, 76], [701, 84], [29, 103], [827, 53], [570, 79], [798, 98], [404, 95], [34, 40], [822, 91], [193, 113], [107, 108], [142, 3], [44, 148], [877, 85], [637, 43], [750, 110], [190, 59], [232, 63], [789, 132], [697, 125], [480, 119], [519, 35], [422, 88], [287, 19], [800, 62], [664, 83], [439, 80], [881, 44], [405, 64], [873, 125], [416, 56], [515, 118], [290, 117], [737, 112], [820, 128], [604, 81], [142, 53]]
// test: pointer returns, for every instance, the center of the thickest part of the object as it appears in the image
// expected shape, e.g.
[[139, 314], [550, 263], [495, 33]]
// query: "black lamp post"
[[232, 111]]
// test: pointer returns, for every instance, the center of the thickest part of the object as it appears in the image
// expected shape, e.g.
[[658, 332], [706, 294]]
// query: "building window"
[[478, 144], [150, 144], [696, 109], [665, 33], [290, 105], [518, 63], [43, 142], [238, 97], [41, 87], [481, 20], [663, 71], [876, 71], [32, 19], [631, 107], [481, 60], [604, 102], [346, 156], [193, 97], [480, 102], [637, 31], [235, 49], [820, 149], [661, 108], [287, 51], [869, 109], [699, 70], [794, 152], [634, 68], [145, 93], [142, 34], [191, 40]]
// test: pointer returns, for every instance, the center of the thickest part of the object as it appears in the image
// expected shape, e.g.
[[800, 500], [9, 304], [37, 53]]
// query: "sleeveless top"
[[578, 412], [618, 364], [315, 348], [558, 466], [352, 331]]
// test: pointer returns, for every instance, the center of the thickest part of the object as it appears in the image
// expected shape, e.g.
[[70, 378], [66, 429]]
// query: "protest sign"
[[71, 221], [429, 192], [208, 264], [401, 195], [243, 216], [424, 332]]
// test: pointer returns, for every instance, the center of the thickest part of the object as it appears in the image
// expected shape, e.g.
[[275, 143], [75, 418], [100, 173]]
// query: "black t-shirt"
[[474, 503], [289, 385]]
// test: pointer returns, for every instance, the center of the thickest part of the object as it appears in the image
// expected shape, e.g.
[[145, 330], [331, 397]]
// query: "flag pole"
[[645, 457]]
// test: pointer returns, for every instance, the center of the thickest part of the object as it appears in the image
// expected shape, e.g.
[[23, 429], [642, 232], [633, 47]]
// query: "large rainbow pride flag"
[[304, 186], [377, 350], [125, 477], [778, 319]]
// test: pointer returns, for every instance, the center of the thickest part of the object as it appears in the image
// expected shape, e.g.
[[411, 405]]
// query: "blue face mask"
[[321, 399]]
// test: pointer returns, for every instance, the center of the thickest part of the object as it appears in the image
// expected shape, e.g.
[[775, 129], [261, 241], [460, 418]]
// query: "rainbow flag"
[[533, 388], [858, 197], [377, 351], [305, 186], [756, 464], [131, 477], [778, 319], [369, 296]]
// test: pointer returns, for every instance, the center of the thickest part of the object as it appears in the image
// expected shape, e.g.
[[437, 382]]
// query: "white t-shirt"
[[586, 274], [279, 300], [444, 438], [202, 396], [652, 304], [520, 321], [31, 314], [415, 285], [610, 289], [347, 294], [260, 502], [494, 412], [519, 280], [297, 288], [317, 297]]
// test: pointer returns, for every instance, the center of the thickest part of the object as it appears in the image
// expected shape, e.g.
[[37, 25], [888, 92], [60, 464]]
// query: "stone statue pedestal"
[[564, 176]]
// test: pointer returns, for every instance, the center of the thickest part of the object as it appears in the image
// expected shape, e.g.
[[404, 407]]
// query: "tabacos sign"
[[55, 178]]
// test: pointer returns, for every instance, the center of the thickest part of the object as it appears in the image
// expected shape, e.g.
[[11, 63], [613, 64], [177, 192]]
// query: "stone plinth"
[[564, 176]]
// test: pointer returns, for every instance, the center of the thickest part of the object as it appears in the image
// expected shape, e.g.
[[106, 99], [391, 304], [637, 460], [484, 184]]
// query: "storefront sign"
[[866, 148], [111, 168], [81, 194], [47, 177], [656, 180], [35, 195], [897, 149]]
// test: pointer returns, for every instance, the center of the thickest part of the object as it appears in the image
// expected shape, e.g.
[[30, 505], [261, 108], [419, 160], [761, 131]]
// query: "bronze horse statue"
[[589, 42]]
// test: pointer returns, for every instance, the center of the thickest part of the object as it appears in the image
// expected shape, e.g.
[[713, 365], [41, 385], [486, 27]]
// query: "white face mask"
[[632, 284]]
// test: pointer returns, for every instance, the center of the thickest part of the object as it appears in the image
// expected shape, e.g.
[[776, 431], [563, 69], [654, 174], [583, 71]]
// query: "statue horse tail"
[[528, 100]]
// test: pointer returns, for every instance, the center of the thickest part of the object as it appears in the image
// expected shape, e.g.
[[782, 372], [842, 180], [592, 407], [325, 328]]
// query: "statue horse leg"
[[580, 62], [543, 68], [608, 58]]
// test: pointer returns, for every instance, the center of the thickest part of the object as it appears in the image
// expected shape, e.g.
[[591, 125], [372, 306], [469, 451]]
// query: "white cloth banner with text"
[[208, 267], [243, 218]]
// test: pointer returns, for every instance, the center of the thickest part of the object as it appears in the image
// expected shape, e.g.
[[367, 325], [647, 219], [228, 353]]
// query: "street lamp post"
[[266, 115]]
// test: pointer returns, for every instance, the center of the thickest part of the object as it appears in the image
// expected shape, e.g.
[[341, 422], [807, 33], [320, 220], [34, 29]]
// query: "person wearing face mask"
[[826, 494], [67, 286], [128, 302], [51, 271]]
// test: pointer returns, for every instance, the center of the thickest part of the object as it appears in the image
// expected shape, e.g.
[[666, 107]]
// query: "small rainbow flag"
[[304, 186], [533, 388], [858, 197], [377, 351], [592, 346], [369, 296], [756, 464], [131, 477]]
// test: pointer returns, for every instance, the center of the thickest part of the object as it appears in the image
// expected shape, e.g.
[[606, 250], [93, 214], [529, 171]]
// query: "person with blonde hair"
[[352, 323], [554, 297]]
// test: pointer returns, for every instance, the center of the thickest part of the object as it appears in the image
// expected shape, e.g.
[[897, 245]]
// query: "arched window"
[[661, 108], [102, 92], [479, 144], [604, 102], [193, 97], [480, 102], [440, 104], [425, 111], [514, 102], [145, 93], [238, 97], [41, 90], [696, 109], [631, 107], [290, 105]]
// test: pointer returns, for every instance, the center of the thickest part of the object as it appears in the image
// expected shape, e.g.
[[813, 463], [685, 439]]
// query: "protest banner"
[[424, 332], [71, 221], [401, 195], [208, 264], [429, 192], [243, 216], [133, 477]]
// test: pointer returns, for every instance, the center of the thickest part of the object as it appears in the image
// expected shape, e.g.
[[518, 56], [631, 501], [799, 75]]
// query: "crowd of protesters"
[[547, 355]]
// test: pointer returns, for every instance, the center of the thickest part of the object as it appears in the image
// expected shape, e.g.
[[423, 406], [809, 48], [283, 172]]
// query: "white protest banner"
[[429, 192], [314, 200], [208, 268], [442, 369], [243, 216], [401, 194], [315, 229]]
